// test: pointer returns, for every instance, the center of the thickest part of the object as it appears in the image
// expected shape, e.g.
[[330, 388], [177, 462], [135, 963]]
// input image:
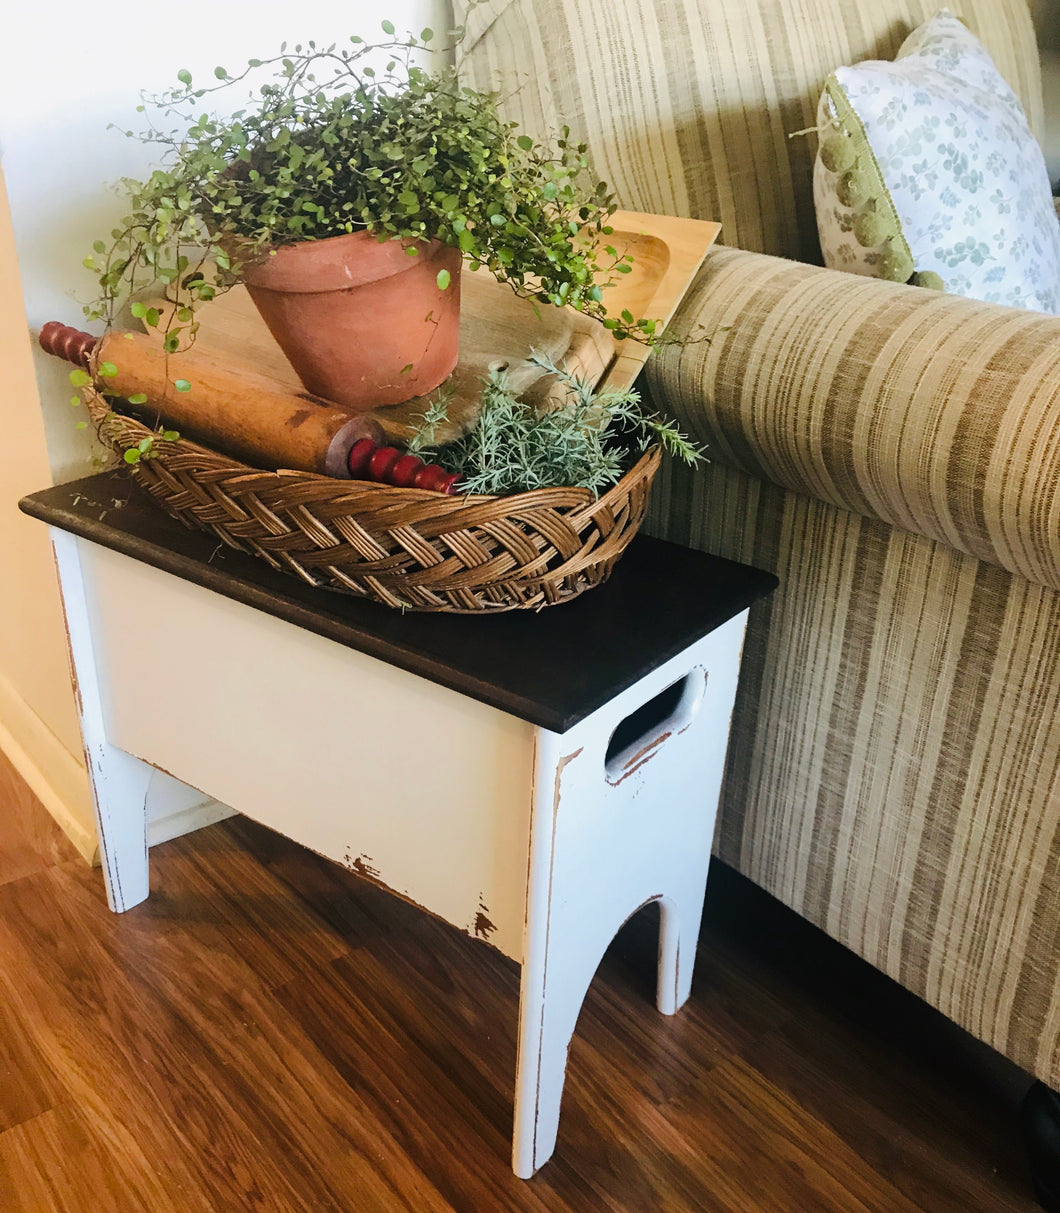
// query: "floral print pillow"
[[927, 172]]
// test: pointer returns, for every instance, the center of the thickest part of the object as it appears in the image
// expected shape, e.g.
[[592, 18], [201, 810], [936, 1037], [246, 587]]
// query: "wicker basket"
[[407, 548]]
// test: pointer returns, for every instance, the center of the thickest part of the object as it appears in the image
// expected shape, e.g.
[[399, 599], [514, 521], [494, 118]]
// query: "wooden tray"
[[667, 253]]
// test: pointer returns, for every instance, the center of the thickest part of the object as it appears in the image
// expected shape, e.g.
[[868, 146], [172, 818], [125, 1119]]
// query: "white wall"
[[71, 71], [38, 723], [66, 71]]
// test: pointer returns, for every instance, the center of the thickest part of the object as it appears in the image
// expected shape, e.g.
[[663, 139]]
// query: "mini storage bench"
[[532, 777]]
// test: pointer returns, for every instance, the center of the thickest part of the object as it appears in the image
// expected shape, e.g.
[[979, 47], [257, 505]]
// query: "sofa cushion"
[[927, 165]]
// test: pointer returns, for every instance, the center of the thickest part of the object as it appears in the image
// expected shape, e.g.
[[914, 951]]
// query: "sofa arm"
[[935, 413]]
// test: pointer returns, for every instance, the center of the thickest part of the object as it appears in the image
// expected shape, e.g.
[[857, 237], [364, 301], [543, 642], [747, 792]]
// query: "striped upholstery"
[[898, 777], [933, 412], [893, 454]]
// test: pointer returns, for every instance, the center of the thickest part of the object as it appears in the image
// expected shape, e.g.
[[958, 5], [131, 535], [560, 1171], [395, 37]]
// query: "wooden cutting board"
[[498, 329]]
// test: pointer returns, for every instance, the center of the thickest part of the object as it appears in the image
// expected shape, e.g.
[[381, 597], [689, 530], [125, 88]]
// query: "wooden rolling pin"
[[234, 410]]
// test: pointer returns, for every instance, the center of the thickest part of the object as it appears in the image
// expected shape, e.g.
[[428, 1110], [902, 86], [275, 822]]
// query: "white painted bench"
[[533, 779]]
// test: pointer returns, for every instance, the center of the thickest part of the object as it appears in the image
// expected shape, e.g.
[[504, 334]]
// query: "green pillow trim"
[[845, 152]]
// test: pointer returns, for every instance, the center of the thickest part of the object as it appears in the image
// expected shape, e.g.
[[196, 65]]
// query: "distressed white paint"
[[119, 781], [601, 847], [373, 767], [61, 782], [535, 840]]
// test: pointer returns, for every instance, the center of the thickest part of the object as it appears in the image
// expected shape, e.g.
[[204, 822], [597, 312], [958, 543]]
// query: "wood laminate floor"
[[270, 1032]]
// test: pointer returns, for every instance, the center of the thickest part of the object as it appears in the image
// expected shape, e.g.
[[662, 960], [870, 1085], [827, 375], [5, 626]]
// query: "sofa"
[[891, 453]]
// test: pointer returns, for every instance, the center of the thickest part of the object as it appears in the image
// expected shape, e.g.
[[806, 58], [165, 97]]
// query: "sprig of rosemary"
[[590, 440]]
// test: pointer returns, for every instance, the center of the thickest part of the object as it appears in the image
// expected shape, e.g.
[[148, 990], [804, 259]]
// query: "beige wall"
[[38, 720], [32, 648]]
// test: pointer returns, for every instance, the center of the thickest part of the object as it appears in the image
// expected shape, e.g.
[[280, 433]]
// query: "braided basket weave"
[[407, 548]]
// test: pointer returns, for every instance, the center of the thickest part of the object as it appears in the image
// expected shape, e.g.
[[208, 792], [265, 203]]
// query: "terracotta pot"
[[362, 322]]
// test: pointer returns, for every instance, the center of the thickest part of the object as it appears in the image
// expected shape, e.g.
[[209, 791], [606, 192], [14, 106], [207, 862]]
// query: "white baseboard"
[[59, 780], [174, 808], [55, 776], [162, 829]]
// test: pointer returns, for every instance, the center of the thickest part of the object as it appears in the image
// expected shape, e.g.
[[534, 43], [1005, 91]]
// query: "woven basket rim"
[[99, 410], [409, 548]]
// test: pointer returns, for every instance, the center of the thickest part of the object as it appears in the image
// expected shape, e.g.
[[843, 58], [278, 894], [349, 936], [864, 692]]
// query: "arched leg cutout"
[[605, 839]]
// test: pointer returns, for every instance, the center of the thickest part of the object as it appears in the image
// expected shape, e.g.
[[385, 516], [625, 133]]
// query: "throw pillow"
[[927, 171]]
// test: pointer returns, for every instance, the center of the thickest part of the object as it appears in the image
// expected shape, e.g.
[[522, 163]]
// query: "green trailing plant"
[[331, 144], [589, 440], [146, 448]]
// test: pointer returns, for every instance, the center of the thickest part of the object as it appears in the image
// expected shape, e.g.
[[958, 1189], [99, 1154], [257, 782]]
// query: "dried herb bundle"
[[590, 440]]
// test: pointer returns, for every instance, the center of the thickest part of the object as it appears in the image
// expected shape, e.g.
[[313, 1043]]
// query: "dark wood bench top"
[[551, 667]]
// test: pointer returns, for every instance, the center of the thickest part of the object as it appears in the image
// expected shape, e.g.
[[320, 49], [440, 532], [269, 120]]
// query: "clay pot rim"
[[341, 262]]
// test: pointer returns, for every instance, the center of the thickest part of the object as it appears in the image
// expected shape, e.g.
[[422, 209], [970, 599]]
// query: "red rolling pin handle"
[[386, 464], [66, 342]]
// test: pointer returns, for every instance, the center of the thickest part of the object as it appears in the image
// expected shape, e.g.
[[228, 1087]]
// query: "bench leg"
[[549, 1003], [614, 825], [592, 865], [678, 936], [119, 781], [119, 794]]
